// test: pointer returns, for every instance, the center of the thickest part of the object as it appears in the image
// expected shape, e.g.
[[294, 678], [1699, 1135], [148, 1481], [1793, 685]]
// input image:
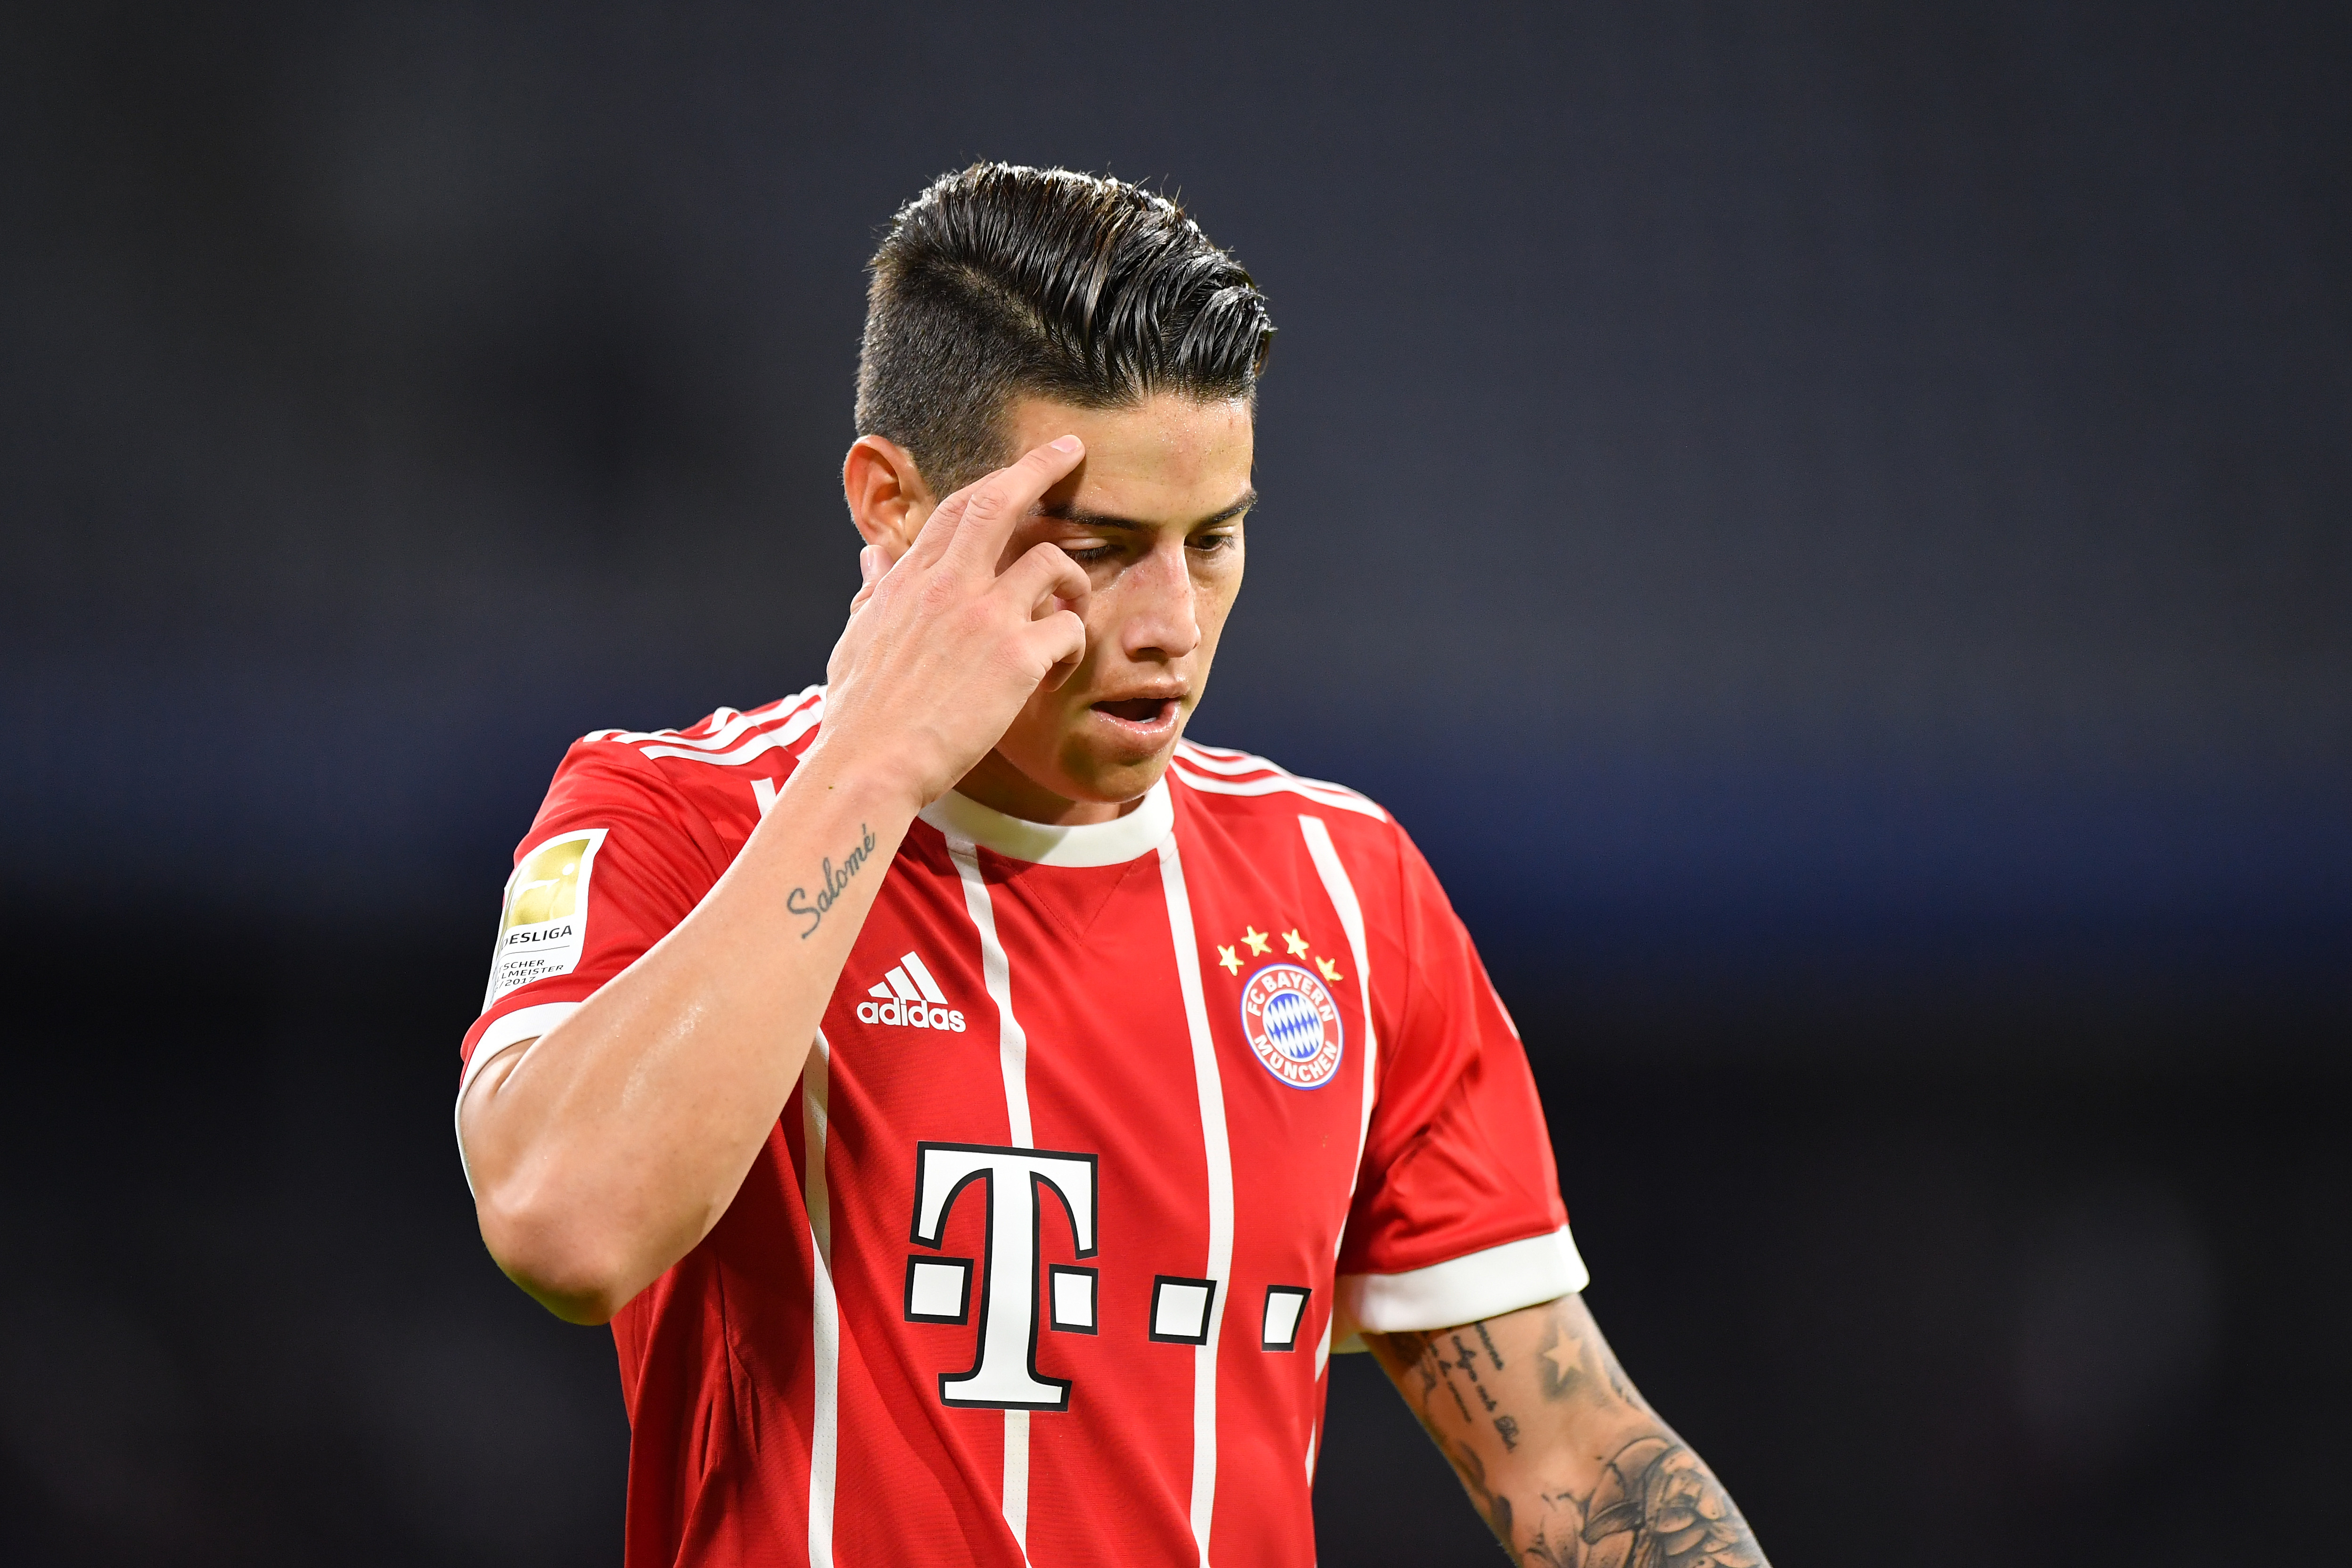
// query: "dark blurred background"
[[1832, 524]]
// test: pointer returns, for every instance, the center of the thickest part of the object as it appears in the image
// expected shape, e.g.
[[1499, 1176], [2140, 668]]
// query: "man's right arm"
[[606, 1148]]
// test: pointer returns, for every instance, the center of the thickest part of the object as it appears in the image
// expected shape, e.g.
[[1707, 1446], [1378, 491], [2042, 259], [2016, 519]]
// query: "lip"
[[1127, 716]]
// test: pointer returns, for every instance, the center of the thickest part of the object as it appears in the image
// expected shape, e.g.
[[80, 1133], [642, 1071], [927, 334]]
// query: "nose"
[[1158, 614]]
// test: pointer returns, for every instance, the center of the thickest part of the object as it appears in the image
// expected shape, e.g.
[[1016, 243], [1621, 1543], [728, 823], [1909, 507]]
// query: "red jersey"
[[1109, 1133]]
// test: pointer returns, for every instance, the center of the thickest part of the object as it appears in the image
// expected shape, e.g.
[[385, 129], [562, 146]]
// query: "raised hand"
[[942, 649]]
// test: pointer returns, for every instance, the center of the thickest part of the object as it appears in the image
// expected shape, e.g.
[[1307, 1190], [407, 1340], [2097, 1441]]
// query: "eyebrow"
[[1064, 512]]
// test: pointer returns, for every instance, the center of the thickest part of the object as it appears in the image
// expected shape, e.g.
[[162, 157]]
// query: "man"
[[980, 1111]]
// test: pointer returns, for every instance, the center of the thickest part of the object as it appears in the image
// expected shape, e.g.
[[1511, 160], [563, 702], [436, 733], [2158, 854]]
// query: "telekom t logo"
[[939, 1290]]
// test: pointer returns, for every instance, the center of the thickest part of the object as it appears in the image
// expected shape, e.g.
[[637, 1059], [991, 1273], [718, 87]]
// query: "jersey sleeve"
[[615, 860], [1457, 1214]]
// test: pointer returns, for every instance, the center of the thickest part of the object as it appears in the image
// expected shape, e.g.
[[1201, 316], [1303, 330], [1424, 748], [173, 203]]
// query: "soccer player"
[[980, 1111]]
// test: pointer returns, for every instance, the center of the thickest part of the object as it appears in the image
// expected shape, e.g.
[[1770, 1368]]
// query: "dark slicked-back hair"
[[1003, 281]]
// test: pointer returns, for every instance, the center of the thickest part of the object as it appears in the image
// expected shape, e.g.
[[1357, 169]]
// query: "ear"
[[888, 498]]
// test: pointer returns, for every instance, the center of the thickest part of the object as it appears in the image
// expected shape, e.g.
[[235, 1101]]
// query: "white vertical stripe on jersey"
[[1342, 893], [1012, 1055], [1210, 1085], [1016, 1478], [824, 1311], [1013, 1045]]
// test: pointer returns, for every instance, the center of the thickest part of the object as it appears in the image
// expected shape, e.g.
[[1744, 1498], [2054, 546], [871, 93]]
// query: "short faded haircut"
[[1002, 282]]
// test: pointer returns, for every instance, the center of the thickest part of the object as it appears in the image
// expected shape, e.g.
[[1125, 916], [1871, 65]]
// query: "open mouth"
[[1146, 710]]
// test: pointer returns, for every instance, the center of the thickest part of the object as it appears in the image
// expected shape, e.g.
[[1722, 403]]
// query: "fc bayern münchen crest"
[[1291, 1022]]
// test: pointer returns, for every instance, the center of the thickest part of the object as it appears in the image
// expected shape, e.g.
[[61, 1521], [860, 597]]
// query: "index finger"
[[999, 502]]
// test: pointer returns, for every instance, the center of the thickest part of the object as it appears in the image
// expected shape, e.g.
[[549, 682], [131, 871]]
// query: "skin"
[[1154, 518], [1558, 1452], [1037, 641]]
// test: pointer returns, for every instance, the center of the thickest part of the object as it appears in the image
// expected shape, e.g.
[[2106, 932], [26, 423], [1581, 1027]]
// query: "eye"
[[1086, 554], [1209, 543]]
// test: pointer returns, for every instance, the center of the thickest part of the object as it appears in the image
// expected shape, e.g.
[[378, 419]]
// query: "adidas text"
[[911, 1015]]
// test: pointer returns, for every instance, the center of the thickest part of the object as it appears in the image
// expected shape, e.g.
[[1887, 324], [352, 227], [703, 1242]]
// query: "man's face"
[[1153, 516]]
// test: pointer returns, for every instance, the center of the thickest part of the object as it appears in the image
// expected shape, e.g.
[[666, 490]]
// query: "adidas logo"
[[911, 999]]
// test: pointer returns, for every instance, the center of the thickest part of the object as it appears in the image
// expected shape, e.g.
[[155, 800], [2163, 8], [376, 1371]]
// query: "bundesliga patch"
[[1292, 1025], [543, 929]]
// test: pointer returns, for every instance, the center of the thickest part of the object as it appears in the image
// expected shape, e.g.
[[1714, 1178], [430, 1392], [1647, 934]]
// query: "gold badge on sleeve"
[[543, 928]]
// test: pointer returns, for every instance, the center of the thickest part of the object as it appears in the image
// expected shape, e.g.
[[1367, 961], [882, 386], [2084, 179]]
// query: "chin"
[[1109, 781]]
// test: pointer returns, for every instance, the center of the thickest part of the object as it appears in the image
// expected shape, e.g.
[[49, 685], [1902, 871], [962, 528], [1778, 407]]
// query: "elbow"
[[573, 1267], [588, 1303]]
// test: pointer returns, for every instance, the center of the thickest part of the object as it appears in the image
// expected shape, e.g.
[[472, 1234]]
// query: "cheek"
[[1104, 612], [1034, 738], [1213, 600]]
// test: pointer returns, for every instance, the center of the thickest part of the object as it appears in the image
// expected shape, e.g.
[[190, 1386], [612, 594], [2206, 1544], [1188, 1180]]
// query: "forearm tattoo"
[[831, 883], [1518, 1426]]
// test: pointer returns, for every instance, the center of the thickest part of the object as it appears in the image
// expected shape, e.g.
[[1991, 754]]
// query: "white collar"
[[1112, 843]]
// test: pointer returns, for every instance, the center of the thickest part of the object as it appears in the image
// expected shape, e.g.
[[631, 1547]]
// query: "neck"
[[997, 785]]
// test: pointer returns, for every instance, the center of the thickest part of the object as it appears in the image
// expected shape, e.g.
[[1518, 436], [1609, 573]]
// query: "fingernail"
[[1066, 444]]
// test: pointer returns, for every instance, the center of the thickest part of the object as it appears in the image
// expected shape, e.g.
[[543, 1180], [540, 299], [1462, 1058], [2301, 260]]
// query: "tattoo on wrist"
[[832, 882]]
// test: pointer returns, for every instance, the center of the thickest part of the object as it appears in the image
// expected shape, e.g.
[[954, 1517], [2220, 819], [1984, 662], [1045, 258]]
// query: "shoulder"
[[1247, 794], [1254, 804], [724, 766], [1236, 784], [726, 738]]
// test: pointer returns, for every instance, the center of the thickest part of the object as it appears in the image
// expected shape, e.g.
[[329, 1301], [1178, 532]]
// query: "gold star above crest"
[[1296, 942], [1256, 939], [1330, 970], [1225, 956]]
